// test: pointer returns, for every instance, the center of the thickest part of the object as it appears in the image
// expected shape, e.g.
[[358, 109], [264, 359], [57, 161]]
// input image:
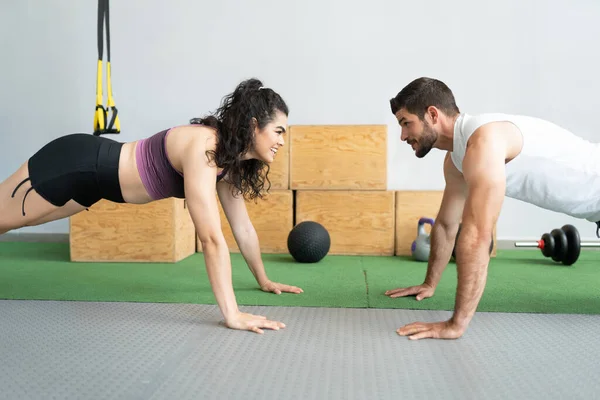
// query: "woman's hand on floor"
[[278, 288], [254, 323]]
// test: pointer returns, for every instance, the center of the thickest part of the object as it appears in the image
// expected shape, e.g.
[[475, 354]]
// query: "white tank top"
[[556, 170]]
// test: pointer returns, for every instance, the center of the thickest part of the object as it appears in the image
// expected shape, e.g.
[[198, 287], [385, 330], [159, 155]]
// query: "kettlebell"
[[421, 245]]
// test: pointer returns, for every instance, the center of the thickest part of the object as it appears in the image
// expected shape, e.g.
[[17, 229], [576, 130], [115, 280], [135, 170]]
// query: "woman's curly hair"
[[233, 121]]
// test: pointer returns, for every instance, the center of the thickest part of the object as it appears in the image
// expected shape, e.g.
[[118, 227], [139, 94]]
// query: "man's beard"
[[426, 142]]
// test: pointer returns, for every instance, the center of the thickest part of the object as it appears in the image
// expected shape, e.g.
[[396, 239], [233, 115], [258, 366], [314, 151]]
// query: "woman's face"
[[268, 140]]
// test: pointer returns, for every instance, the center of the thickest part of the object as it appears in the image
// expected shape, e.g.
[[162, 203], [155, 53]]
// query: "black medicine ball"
[[308, 242]]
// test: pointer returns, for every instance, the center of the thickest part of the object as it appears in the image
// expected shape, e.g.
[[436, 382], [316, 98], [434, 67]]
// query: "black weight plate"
[[548, 249], [560, 244], [573, 244]]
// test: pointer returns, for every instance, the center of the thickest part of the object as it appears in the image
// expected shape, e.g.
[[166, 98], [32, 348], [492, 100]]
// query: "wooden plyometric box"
[[272, 218], [358, 222], [161, 231], [338, 157], [412, 206]]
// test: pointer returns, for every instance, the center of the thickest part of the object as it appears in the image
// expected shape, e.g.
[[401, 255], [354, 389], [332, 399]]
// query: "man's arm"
[[443, 234], [484, 172], [445, 228]]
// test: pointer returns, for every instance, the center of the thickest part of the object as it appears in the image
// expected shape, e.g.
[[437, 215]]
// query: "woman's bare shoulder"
[[187, 140], [194, 133]]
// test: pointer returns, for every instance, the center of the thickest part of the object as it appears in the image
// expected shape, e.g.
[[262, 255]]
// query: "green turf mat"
[[518, 281], [43, 271]]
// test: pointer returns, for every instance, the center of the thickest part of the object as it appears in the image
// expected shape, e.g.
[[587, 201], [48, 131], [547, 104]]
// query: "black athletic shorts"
[[80, 167]]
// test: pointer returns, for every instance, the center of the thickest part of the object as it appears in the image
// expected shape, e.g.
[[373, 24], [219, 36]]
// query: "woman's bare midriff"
[[132, 188]]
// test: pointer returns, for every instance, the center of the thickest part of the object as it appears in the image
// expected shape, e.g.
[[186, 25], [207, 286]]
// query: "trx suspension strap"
[[101, 123]]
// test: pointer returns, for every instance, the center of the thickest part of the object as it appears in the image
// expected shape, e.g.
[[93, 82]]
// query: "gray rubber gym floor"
[[79, 350]]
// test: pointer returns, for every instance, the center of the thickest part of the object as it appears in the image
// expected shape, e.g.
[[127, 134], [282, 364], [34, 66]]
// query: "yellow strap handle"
[[111, 102], [100, 114], [102, 124]]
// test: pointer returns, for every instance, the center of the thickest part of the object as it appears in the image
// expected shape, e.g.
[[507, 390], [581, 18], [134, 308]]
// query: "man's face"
[[417, 133]]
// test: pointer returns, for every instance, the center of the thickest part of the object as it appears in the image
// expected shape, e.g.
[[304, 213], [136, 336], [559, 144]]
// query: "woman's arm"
[[243, 230], [200, 189], [246, 237], [200, 196]]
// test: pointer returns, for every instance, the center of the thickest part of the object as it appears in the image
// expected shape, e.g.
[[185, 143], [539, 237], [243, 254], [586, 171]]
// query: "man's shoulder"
[[472, 122]]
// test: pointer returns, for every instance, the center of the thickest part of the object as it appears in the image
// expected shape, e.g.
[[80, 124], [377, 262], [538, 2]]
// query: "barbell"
[[562, 245]]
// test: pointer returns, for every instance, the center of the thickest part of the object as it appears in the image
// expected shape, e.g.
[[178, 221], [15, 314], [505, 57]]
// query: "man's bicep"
[[451, 208], [484, 172], [454, 196]]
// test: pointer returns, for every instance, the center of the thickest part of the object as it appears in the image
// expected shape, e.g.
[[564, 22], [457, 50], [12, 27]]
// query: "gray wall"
[[335, 62]]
